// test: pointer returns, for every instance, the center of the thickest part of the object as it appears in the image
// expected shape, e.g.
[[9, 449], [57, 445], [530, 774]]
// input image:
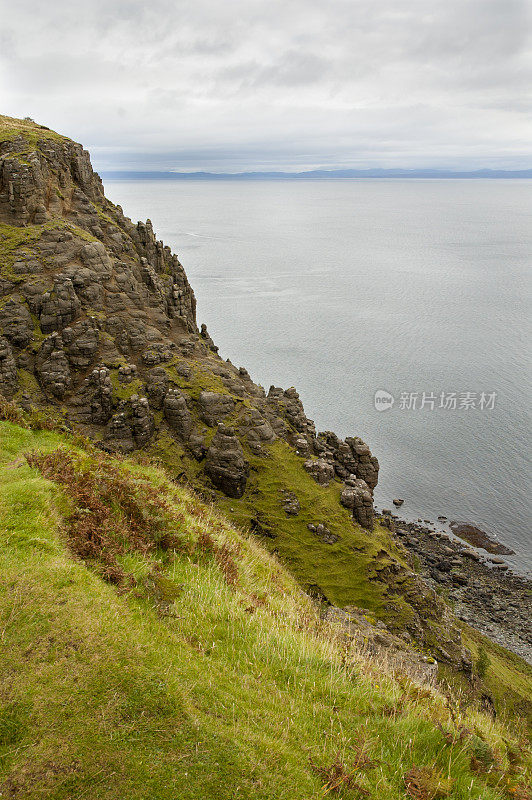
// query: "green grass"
[[10, 128], [202, 379], [508, 678], [124, 391], [237, 690], [344, 571]]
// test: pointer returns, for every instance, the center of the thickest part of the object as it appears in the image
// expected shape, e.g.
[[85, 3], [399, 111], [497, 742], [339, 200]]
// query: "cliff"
[[98, 328]]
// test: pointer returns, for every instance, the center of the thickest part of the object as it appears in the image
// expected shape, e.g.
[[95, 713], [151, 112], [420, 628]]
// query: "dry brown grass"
[[114, 512], [341, 775], [425, 783]]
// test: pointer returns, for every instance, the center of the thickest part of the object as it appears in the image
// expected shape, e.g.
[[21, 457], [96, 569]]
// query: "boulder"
[[177, 415], [157, 387], [59, 307], [8, 370], [142, 424], [322, 471], [225, 463], [367, 466], [52, 367], [479, 538], [214, 407], [207, 339], [291, 505], [323, 533], [356, 496], [81, 343], [16, 323]]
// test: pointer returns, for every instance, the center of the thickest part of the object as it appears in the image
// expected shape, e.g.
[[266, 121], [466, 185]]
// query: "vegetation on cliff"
[[149, 648]]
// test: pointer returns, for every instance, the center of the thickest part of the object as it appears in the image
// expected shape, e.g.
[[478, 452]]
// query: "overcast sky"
[[225, 85]]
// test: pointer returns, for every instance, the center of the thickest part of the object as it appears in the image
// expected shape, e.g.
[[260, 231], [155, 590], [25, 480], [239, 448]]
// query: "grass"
[[202, 379], [344, 571], [204, 672], [507, 677], [10, 128], [124, 391]]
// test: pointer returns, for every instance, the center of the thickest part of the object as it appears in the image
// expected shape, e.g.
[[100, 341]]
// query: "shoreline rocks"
[[483, 592], [479, 538]]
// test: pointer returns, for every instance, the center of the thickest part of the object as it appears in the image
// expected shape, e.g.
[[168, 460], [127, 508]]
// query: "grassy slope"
[[232, 694]]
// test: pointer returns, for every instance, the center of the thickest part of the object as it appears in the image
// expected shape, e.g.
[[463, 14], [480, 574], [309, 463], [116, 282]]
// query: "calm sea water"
[[346, 288]]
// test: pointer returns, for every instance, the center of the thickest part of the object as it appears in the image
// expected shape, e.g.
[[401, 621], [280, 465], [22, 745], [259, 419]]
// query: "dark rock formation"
[[323, 533], [357, 497], [15, 321], [225, 463], [291, 505], [288, 406], [479, 538], [52, 367], [205, 335], [214, 407], [93, 403], [322, 471], [177, 414], [8, 370]]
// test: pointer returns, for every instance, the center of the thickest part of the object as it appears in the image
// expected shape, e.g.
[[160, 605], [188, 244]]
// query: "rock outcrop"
[[225, 463], [357, 497]]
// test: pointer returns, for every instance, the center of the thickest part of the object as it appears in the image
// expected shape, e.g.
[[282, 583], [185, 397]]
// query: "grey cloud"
[[277, 82]]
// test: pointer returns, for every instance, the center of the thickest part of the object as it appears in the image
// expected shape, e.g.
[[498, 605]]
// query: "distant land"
[[313, 175]]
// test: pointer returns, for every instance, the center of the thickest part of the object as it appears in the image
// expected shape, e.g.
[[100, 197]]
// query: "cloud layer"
[[275, 84]]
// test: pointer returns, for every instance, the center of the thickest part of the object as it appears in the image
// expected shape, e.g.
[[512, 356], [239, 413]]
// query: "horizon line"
[[318, 174]]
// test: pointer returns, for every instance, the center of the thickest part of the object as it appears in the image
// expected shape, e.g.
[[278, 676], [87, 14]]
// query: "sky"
[[230, 85]]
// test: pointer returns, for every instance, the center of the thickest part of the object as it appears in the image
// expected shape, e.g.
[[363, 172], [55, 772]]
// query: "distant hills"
[[314, 175]]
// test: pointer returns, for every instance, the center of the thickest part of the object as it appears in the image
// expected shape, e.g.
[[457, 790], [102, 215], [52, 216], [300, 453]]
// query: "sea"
[[400, 311]]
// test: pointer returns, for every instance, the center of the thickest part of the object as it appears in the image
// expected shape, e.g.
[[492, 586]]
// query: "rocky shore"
[[481, 588]]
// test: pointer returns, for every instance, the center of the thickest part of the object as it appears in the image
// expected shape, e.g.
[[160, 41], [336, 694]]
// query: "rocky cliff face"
[[98, 324], [97, 316]]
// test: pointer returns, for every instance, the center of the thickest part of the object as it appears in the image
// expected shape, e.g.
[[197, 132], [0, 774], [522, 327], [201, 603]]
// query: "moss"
[[508, 678], [28, 384], [17, 242], [14, 242], [163, 449], [124, 391], [201, 380], [341, 570], [105, 217]]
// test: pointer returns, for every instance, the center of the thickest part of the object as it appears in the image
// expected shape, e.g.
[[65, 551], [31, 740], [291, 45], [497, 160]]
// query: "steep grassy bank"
[[149, 649]]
